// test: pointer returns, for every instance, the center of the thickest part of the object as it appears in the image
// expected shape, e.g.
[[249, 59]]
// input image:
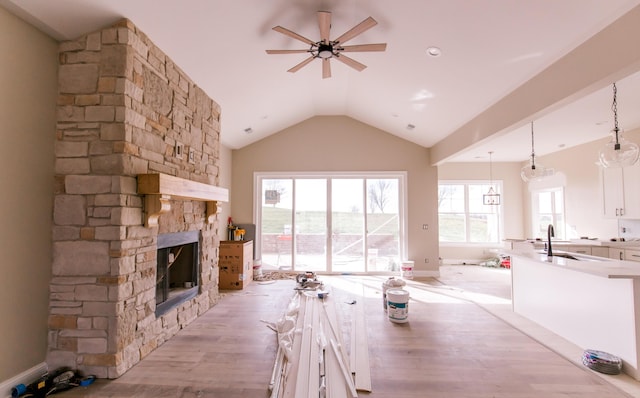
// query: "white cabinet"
[[632, 255], [600, 251], [621, 191], [616, 254]]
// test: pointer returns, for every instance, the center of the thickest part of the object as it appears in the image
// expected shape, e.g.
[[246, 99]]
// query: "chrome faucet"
[[550, 233]]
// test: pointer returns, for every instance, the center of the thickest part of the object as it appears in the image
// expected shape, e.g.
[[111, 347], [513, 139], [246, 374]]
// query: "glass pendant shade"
[[533, 172], [619, 152]]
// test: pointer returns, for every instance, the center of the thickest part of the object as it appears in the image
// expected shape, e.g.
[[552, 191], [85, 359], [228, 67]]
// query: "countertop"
[[603, 267], [628, 244]]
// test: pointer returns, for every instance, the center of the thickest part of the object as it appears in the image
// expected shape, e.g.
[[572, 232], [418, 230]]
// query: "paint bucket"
[[389, 284], [398, 305], [257, 270], [407, 269]]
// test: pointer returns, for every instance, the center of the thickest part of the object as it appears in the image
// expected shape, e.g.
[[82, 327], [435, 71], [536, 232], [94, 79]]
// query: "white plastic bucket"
[[407, 269], [398, 305], [390, 284]]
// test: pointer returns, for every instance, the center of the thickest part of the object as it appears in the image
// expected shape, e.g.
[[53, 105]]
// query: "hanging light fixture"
[[618, 152], [533, 171], [491, 198]]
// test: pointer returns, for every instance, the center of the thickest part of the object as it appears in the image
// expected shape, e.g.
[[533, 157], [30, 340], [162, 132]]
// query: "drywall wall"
[[28, 77], [339, 143]]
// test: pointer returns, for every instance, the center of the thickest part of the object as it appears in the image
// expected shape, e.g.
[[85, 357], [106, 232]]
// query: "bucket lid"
[[398, 292]]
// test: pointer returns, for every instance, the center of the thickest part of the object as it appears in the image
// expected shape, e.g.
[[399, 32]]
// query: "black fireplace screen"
[[177, 269]]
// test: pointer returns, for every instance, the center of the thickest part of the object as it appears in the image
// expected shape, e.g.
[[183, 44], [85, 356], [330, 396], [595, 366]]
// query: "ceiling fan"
[[325, 49]]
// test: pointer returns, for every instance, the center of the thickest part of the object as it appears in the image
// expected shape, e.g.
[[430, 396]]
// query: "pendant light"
[[533, 171], [491, 198], [618, 152]]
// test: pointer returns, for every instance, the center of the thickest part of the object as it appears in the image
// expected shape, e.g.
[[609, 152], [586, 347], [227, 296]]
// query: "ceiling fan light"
[[619, 152], [325, 51]]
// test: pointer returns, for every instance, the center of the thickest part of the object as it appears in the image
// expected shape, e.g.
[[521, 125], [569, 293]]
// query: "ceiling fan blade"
[[300, 65], [326, 68], [324, 21], [286, 51], [356, 30], [292, 34], [350, 62], [365, 47]]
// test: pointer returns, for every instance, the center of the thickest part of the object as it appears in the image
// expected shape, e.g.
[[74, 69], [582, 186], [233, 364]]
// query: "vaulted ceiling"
[[489, 49]]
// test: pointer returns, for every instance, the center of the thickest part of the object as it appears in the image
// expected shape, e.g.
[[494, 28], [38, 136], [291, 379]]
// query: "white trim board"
[[26, 377]]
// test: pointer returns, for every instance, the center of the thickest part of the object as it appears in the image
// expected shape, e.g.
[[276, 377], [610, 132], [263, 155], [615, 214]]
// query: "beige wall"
[[339, 143], [28, 76], [512, 200]]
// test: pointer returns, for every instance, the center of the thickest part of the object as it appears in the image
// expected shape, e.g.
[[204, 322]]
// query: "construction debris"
[[311, 360]]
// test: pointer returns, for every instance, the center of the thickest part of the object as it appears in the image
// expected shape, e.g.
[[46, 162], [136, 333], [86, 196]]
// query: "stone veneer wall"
[[122, 106]]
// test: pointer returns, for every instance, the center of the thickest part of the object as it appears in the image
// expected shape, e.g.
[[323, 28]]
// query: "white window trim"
[[535, 215], [498, 187], [402, 191]]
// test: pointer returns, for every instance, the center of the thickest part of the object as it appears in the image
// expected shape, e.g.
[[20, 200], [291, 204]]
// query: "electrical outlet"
[[179, 150], [425, 226], [192, 156], [426, 260]]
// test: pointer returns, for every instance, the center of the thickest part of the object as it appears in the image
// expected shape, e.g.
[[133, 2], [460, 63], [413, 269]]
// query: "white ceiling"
[[490, 47]]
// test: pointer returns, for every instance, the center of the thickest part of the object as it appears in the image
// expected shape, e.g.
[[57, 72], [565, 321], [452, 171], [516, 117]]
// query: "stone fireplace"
[[125, 110]]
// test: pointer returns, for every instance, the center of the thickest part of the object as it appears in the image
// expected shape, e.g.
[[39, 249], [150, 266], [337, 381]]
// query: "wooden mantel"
[[160, 188]]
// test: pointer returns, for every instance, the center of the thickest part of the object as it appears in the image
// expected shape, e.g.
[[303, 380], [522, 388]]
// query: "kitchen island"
[[592, 302]]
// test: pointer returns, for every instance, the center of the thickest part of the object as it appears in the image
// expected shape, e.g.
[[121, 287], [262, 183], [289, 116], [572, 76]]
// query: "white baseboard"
[[26, 377], [426, 274], [461, 261]]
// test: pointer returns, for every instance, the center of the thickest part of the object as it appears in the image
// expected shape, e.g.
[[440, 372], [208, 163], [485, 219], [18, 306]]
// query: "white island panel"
[[594, 310]]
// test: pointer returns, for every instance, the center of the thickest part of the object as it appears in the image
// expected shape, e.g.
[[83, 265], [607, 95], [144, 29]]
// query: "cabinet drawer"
[[632, 255], [579, 249]]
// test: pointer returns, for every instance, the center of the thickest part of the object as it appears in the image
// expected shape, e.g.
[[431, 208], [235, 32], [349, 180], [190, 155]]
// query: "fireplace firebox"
[[177, 269]]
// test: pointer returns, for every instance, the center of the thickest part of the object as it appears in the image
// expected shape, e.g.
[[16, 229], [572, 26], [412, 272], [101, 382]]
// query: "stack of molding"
[[311, 360]]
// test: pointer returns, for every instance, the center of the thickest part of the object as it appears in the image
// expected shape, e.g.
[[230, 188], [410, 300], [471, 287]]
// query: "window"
[[331, 222], [463, 218], [548, 208]]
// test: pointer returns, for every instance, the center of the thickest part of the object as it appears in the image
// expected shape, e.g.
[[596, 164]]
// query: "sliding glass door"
[[330, 223]]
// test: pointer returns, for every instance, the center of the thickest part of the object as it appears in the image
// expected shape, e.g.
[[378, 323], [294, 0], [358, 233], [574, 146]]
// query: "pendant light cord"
[[533, 154], [490, 170], [614, 108]]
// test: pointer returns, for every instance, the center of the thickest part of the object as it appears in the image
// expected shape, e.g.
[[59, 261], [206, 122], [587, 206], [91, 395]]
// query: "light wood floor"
[[461, 341]]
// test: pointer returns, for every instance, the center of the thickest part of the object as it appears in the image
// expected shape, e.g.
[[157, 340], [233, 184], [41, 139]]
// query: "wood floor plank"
[[448, 348]]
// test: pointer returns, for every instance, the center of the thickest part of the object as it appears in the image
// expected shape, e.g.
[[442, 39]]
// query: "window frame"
[[401, 176], [560, 233], [498, 188]]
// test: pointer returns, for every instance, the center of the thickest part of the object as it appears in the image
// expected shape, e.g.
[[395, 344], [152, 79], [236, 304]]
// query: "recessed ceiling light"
[[434, 51]]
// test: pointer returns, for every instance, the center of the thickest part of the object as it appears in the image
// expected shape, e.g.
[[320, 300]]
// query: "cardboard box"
[[236, 264]]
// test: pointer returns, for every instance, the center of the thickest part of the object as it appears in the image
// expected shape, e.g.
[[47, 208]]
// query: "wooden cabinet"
[[621, 192]]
